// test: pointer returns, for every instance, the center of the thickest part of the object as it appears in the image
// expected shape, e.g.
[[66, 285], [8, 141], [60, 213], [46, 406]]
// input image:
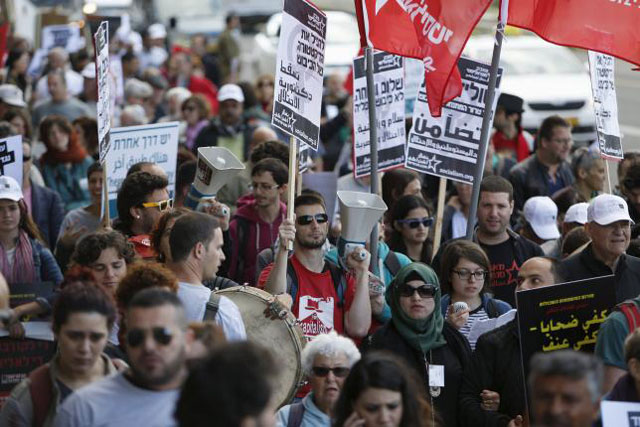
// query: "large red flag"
[[434, 31], [607, 26]]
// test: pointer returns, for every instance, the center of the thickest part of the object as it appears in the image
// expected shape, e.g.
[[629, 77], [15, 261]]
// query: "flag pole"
[[293, 161], [442, 190], [373, 143], [486, 127]]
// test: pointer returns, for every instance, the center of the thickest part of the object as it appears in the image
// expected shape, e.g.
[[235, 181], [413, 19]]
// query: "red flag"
[[607, 26], [434, 31]]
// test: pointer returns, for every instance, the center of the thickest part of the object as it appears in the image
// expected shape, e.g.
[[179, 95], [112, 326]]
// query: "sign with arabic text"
[[564, 316], [447, 146], [11, 157], [157, 143], [388, 76], [299, 71]]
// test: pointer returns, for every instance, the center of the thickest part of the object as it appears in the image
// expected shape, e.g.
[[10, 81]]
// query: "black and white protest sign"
[[11, 157], [101, 40], [620, 414], [447, 146], [602, 69], [388, 76], [300, 71]]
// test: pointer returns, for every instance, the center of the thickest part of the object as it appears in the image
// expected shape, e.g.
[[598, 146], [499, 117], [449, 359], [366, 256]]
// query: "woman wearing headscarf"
[[418, 333]]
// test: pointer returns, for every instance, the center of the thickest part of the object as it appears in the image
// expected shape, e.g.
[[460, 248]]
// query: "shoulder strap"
[[241, 238], [291, 274], [212, 307], [41, 390], [296, 413], [492, 309], [632, 313], [392, 263], [339, 281]]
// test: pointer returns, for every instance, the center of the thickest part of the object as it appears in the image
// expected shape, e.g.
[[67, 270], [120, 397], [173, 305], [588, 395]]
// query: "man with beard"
[[254, 227], [325, 297], [157, 342]]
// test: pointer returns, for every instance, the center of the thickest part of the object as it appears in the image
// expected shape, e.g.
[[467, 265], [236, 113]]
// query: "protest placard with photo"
[[388, 77], [299, 71], [103, 116], [157, 143], [11, 157], [447, 146], [563, 316], [602, 69]]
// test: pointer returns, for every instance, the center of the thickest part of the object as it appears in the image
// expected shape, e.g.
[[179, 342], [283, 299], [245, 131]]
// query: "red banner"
[[434, 31], [607, 26]]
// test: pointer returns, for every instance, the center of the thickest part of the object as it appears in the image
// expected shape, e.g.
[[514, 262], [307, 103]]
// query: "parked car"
[[550, 78]]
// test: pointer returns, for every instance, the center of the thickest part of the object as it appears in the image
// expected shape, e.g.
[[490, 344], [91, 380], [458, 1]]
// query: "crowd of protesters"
[[142, 337]]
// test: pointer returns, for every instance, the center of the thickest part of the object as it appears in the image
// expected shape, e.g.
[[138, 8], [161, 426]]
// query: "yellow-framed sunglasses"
[[162, 205]]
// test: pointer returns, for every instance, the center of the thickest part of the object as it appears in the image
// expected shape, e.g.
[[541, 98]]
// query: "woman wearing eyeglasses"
[[195, 112], [411, 219], [465, 277], [418, 334], [326, 361], [82, 317], [65, 163], [381, 391]]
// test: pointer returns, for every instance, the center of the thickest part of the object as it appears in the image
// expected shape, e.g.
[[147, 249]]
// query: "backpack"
[[296, 413], [337, 277], [41, 391], [631, 312], [212, 307], [392, 263]]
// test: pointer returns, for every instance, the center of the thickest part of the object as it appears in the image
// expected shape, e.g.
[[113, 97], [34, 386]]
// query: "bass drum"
[[281, 335]]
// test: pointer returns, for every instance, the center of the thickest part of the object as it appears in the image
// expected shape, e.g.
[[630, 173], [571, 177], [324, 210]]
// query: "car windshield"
[[536, 60]]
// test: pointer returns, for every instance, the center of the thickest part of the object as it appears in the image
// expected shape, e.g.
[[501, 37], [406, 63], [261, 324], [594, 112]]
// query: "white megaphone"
[[359, 212], [216, 167]]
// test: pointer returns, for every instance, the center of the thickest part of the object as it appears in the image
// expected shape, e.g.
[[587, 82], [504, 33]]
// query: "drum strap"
[[296, 413], [211, 310]]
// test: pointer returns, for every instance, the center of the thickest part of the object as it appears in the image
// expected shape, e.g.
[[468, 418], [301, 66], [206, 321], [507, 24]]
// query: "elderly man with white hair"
[[326, 361]]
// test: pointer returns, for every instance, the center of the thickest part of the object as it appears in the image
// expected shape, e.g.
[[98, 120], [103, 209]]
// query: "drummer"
[[196, 253], [325, 298]]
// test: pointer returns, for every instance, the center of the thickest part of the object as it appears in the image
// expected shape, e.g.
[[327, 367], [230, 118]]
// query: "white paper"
[[482, 326], [620, 414], [11, 157], [34, 330], [436, 376]]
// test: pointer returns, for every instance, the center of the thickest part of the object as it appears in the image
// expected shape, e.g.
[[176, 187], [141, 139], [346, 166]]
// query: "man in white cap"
[[609, 227], [10, 97], [154, 53], [229, 129], [540, 226]]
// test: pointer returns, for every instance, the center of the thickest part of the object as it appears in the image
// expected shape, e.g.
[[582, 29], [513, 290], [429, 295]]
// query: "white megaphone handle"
[[207, 201]]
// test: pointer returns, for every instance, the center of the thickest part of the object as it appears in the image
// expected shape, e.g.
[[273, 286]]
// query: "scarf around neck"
[[22, 270], [75, 153], [424, 334]]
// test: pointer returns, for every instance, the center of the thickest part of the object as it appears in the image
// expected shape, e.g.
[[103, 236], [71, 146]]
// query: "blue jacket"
[[312, 417], [498, 307], [67, 182], [387, 276], [47, 211], [47, 270]]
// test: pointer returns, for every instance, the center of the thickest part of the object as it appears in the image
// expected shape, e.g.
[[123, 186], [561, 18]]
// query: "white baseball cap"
[[607, 208], [12, 95], [89, 71], [577, 213], [10, 189], [541, 213], [230, 91], [157, 31]]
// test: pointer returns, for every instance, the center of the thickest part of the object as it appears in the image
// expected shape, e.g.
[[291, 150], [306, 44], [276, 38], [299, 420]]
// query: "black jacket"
[[585, 265], [47, 210], [208, 136], [529, 179], [455, 356], [496, 365]]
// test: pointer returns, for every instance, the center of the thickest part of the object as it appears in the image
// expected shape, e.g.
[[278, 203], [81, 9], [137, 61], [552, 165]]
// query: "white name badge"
[[436, 375]]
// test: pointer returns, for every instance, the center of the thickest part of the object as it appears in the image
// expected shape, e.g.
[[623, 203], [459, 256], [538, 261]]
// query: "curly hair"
[[133, 192], [143, 276], [90, 247]]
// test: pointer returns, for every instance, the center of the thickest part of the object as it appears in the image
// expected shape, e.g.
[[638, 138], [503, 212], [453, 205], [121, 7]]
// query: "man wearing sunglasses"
[[157, 342], [142, 199], [321, 302]]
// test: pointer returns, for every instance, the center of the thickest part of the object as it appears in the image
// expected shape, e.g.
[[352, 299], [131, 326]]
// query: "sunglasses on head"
[[338, 371], [162, 205], [415, 222], [320, 218], [425, 291], [162, 336]]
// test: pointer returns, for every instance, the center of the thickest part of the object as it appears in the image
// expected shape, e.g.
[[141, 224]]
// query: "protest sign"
[[157, 143], [564, 316], [388, 76], [605, 104], [101, 43], [67, 37], [11, 157], [620, 414], [18, 358], [325, 183], [447, 146], [300, 71], [304, 158]]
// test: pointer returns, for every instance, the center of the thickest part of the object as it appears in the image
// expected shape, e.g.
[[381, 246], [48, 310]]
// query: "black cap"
[[511, 103]]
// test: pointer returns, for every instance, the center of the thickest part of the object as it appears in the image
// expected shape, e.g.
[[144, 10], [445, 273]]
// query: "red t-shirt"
[[316, 303], [518, 144]]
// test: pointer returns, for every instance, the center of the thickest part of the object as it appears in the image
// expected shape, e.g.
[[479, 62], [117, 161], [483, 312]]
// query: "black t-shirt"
[[504, 270]]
